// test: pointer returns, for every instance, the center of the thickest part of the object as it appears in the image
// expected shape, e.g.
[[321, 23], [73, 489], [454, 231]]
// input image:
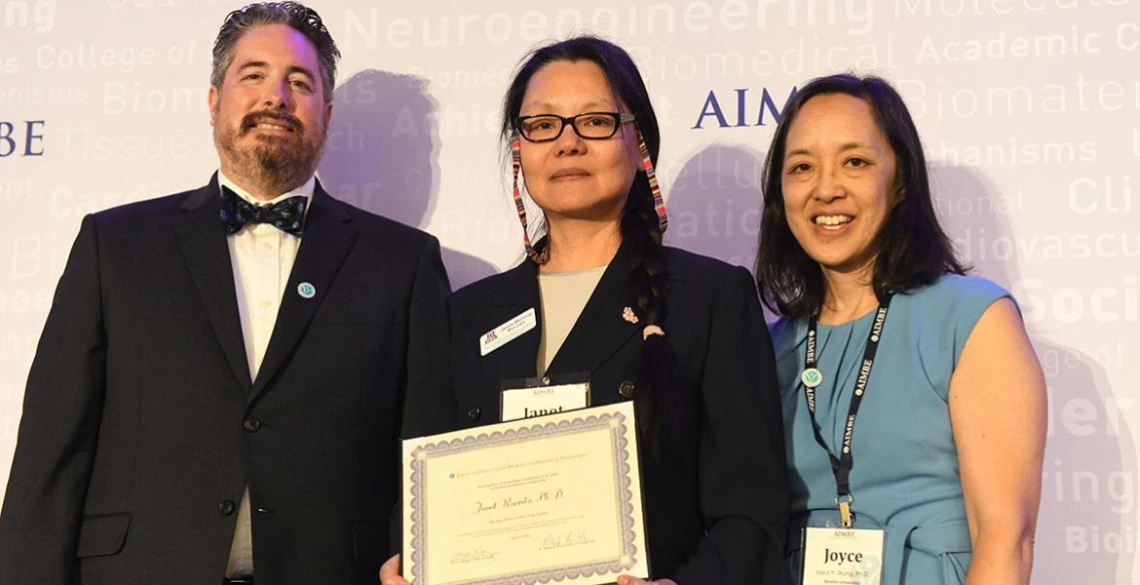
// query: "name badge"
[[842, 556], [542, 400], [505, 333]]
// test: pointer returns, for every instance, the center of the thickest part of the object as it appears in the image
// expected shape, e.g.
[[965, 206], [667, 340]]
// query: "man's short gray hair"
[[298, 16]]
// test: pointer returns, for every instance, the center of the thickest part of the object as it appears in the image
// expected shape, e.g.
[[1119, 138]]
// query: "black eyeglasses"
[[590, 125]]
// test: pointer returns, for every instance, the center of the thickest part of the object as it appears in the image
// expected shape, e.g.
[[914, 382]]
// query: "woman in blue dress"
[[913, 402]]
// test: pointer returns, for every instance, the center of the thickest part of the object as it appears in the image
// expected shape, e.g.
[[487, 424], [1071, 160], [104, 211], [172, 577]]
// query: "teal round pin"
[[812, 377], [306, 290]]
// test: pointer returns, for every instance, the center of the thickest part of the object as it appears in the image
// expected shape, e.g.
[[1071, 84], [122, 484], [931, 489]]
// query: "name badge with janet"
[[842, 556], [542, 396]]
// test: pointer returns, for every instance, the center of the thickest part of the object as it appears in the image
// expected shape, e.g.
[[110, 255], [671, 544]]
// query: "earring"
[[654, 188]]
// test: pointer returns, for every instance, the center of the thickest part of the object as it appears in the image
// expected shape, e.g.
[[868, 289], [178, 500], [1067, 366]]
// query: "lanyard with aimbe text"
[[812, 378]]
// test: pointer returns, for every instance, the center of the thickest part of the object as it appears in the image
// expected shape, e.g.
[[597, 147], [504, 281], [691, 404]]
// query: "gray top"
[[563, 295]]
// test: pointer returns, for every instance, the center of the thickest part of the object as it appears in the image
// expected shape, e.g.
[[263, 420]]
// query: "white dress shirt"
[[262, 257]]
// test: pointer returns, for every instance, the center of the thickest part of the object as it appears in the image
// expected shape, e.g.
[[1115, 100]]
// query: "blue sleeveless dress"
[[905, 478]]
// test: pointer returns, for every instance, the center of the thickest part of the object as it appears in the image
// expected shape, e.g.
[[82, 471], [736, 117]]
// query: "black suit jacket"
[[716, 501], [141, 426]]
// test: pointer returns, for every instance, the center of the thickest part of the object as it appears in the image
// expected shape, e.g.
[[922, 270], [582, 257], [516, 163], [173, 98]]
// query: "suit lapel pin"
[[629, 315], [306, 290]]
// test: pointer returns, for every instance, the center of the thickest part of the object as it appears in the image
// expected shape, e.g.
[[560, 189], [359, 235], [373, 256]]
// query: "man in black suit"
[[223, 379]]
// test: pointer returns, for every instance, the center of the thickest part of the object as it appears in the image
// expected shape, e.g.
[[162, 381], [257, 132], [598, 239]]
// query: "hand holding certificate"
[[530, 501]]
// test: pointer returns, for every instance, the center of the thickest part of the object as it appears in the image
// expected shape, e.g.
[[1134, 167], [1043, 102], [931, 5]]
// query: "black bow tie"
[[287, 215]]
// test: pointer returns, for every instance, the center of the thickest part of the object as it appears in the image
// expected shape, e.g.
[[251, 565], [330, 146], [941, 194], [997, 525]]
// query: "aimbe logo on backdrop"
[[744, 108], [22, 138]]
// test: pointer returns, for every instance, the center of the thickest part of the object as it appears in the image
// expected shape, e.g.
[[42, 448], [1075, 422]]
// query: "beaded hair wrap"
[[516, 166], [659, 207], [654, 188]]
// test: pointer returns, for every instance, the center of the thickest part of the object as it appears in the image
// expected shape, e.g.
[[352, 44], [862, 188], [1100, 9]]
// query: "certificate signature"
[[471, 556], [566, 539]]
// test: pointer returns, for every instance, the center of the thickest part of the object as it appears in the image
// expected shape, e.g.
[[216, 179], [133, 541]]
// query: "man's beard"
[[277, 164]]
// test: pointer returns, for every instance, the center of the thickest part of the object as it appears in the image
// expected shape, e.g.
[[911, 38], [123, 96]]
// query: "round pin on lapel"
[[306, 290], [812, 377]]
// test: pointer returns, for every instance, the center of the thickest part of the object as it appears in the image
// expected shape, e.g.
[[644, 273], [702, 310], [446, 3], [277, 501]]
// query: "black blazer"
[[141, 427], [716, 503]]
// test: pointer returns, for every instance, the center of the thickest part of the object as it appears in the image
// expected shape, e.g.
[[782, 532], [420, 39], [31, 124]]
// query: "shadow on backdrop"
[[382, 156], [714, 204], [1088, 497]]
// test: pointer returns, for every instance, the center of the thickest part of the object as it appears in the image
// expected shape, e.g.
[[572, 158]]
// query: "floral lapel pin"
[[629, 315]]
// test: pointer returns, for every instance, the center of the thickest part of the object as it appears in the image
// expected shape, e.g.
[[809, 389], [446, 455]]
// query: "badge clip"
[[846, 517]]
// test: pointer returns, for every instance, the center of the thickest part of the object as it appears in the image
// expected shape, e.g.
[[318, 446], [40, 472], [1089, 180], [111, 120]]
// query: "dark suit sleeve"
[[428, 400], [743, 477], [428, 404], [63, 402]]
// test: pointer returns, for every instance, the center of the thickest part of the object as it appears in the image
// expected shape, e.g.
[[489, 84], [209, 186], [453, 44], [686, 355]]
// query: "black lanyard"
[[841, 465]]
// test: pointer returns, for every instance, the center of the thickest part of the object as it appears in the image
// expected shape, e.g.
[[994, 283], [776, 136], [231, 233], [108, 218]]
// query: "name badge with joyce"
[[842, 556], [542, 396]]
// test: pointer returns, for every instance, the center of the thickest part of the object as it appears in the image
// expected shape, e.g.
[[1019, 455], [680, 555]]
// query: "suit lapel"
[[207, 255], [328, 237], [601, 330], [516, 359], [598, 334]]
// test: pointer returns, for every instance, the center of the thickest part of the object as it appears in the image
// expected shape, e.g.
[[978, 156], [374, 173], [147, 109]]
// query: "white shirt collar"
[[305, 190]]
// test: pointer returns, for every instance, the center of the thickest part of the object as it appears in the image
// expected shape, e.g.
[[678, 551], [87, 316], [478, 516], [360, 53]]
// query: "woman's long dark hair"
[[911, 249], [656, 396]]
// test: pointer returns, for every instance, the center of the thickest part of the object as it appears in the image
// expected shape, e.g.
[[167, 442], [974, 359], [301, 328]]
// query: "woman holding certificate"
[[914, 405], [599, 299]]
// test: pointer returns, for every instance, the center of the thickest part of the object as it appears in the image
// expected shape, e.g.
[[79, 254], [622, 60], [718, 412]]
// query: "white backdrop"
[[1029, 109]]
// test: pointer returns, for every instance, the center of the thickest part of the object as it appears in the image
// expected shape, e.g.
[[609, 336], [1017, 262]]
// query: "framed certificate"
[[549, 499]]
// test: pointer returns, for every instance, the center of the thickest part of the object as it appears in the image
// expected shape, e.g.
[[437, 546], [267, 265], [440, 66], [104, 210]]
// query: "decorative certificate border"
[[615, 421]]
